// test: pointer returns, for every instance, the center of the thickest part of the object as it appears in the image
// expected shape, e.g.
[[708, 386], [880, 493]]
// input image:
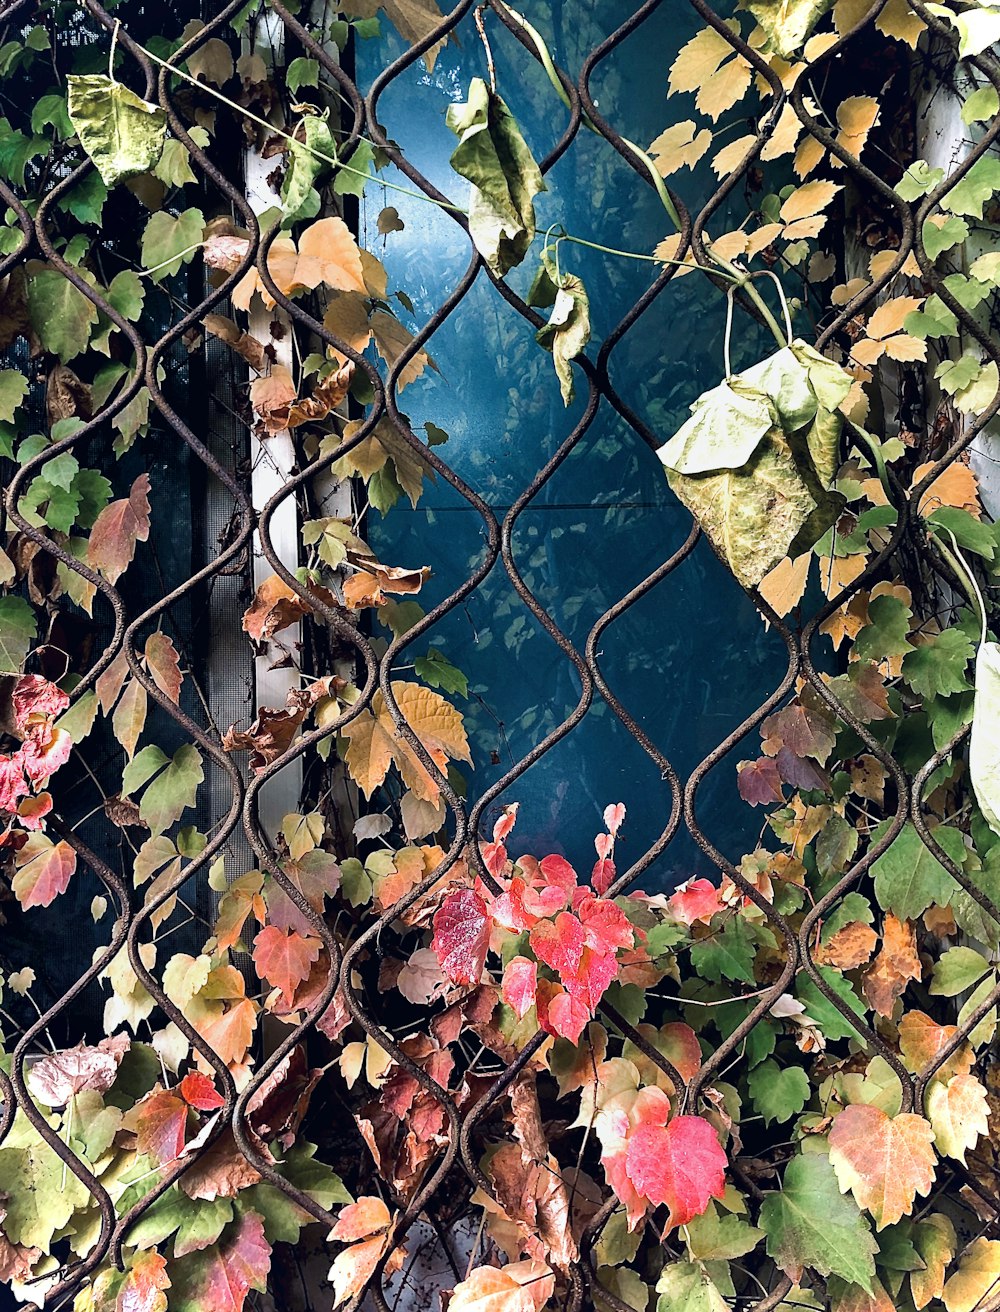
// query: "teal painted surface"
[[693, 658]]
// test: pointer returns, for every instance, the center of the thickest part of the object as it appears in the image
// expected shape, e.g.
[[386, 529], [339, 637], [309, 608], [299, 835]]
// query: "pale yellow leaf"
[[760, 240], [847, 291], [904, 348], [809, 199], [898, 20], [856, 117], [977, 1276], [680, 146], [731, 157], [785, 134], [808, 156], [890, 316], [783, 587]]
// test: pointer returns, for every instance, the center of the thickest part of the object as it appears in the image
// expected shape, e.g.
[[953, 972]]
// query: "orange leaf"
[[117, 529], [164, 665], [284, 959], [955, 486], [885, 1162], [894, 967], [47, 874]]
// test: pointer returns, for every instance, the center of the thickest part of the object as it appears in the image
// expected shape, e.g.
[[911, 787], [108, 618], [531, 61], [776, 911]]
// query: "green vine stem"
[[960, 567]]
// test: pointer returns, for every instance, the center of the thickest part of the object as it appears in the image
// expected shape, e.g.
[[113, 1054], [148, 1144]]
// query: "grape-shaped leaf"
[[976, 1277], [284, 958], [681, 1165], [46, 875], [958, 1113], [117, 529], [885, 1161], [120, 131], [462, 928], [220, 1276], [809, 1224]]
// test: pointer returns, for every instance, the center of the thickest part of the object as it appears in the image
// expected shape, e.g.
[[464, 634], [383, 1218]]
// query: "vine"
[[778, 1084]]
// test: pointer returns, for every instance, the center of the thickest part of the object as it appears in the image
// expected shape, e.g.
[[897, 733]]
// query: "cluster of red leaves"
[[573, 933], [24, 773]]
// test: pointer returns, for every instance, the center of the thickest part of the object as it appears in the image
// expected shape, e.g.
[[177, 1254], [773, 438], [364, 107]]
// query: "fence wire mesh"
[[459, 1146]]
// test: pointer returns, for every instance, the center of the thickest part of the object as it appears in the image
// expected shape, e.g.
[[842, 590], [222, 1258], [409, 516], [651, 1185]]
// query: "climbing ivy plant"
[[806, 1156]]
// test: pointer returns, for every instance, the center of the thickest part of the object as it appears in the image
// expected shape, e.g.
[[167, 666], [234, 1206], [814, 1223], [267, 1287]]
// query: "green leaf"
[[567, 331], [17, 629], [40, 1195], [934, 320], [886, 632], [141, 769], [79, 719], [908, 878], [937, 239], [937, 667], [685, 1287], [347, 181], [720, 1236], [979, 394], [13, 390], [984, 747], [169, 241], [831, 1023], [786, 23], [810, 1223], [971, 193], [957, 970], [50, 111], [979, 107], [970, 533], [778, 1093], [973, 918], [297, 194], [978, 28], [120, 131], [355, 882], [494, 157], [60, 313], [302, 72], [918, 180], [173, 791], [726, 955], [436, 670], [86, 200], [174, 166]]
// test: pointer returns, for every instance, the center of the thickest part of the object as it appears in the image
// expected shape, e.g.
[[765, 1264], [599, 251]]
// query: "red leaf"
[[41, 880], [614, 817], [559, 943], [161, 1125], [145, 1281], [117, 529], [225, 1273], [199, 1092], [560, 1013], [284, 959], [603, 875], [462, 935], [606, 925], [698, 899], [759, 782], [520, 981], [34, 696], [680, 1165]]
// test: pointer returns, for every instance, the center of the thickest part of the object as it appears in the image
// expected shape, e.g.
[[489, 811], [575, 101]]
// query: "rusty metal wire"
[[681, 796]]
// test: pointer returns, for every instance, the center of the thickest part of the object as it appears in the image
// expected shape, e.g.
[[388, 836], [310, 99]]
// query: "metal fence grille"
[[132, 926]]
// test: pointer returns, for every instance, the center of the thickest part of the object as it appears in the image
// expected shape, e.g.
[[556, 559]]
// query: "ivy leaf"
[[810, 1224], [909, 878], [40, 1196], [13, 390], [686, 1287], [976, 1277], [298, 196], [438, 671], [18, 628], [984, 747], [160, 1123], [885, 1161], [726, 955], [164, 665], [720, 1236], [495, 158], [142, 1290], [375, 743], [462, 927], [284, 958], [778, 1093], [172, 790], [971, 193], [168, 241], [117, 529], [787, 23], [517, 1287], [886, 633], [46, 875], [935, 1241], [220, 1276], [830, 1022], [60, 313], [957, 970], [937, 667], [122, 133], [958, 1113], [567, 331], [680, 1165]]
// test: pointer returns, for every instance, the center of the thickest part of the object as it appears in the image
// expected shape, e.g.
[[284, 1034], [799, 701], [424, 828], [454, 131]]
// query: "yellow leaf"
[[519, 1287], [329, 254], [375, 742], [956, 486], [958, 1112], [809, 155], [890, 316], [848, 13], [976, 1277], [786, 133], [731, 157], [760, 240], [391, 340], [839, 572], [904, 348], [856, 117], [783, 587], [898, 20], [808, 200], [698, 61], [885, 1161], [347, 319], [680, 146], [847, 291], [867, 352]]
